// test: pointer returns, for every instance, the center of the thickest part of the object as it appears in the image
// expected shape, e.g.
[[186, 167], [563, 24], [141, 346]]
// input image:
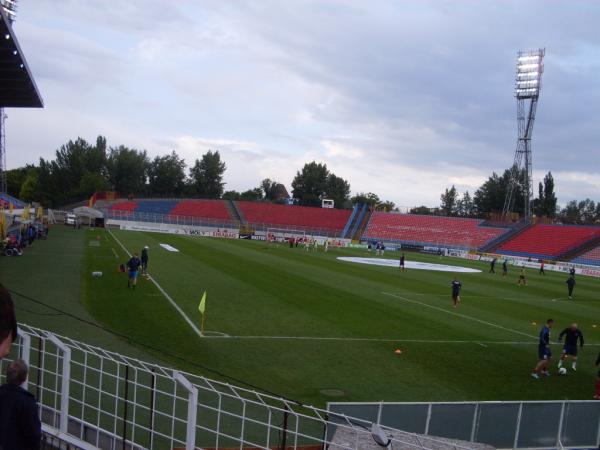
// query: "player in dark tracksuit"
[[504, 268], [493, 266], [456, 287], [571, 286], [402, 262], [544, 351], [573, 336]]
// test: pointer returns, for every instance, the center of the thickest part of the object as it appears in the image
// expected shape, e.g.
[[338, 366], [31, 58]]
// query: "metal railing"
[[107, 400], [513, 424]]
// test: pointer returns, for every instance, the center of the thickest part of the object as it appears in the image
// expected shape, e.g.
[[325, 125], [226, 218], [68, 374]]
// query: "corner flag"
[[202, 305]]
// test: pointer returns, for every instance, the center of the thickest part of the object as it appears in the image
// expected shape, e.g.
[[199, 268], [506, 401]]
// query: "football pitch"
[[306, 325]]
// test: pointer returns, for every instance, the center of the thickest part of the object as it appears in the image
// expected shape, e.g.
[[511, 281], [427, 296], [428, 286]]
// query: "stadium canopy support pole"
[[64, 387], [190, 436]]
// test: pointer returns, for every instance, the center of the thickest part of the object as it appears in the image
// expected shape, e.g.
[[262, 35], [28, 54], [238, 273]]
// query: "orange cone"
[[398, 351]]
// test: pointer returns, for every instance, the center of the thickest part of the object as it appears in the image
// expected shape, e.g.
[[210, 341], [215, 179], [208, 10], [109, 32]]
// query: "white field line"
[[352, 339], [115, 253], [159, 287], [464, 316]]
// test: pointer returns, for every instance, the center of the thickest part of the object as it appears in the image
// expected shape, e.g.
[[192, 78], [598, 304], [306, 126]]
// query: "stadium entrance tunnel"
[[408, 264]]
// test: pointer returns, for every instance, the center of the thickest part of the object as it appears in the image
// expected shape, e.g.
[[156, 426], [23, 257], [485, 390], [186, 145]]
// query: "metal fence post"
[[190, 437], [25, 350], [560, 424], [66, 378], [518, 427]]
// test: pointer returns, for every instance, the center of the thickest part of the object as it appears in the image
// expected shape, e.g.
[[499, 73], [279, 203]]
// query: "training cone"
[[533, 323], [398, 351], [594, 326]]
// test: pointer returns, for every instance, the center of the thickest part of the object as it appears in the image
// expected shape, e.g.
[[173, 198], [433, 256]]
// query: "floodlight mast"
[[530, 66], [9, 7]]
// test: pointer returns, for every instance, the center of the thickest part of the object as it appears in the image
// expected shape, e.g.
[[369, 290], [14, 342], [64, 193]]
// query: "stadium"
[[157, 310]]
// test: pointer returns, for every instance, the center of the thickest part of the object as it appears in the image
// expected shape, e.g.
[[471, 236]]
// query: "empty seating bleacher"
[[590, 257], [430, 230], [213, 209], [295, 216], [548, 241], [6, 200]]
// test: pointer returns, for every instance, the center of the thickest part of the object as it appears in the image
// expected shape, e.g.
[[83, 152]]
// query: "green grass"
[[259, 289]]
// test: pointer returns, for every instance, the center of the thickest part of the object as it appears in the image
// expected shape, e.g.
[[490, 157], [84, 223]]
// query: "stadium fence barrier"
[[514, 424], [92, 398]]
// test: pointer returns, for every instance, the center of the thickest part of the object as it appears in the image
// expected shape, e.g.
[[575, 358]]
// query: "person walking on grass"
[[544, 351], [456, 288], [493, 266], [402, 262], [133, 266], [504, 268], [542, 271], [522, 279], [571, 286], [144, 260]]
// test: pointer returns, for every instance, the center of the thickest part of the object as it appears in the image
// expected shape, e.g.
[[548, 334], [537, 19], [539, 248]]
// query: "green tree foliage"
[[449, 201], [252, 194], [368, 198], [128, 170], [166, 175], [231, 195], [206, 175], [465, 206], [491, 195], [386, 206], [546, 203], [314, 183], [30, 189], [93, 182], [15, 179]]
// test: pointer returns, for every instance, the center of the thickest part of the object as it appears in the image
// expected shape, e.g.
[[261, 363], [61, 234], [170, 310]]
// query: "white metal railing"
[[108, 400]]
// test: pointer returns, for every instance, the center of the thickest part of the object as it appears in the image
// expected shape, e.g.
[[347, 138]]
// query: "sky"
[[401, 98]]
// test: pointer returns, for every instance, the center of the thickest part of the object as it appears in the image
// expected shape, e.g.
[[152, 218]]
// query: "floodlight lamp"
[[528, 74], [527, 67], [528, 58]]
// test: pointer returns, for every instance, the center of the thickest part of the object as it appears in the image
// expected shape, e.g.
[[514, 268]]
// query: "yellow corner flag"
[[202, 305], [202, 309]]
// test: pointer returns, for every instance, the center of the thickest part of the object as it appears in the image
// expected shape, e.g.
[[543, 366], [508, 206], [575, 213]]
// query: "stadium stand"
[[6, 200], [591, 257], [296, 216], [548, 241], [430, 230], [214, 209]]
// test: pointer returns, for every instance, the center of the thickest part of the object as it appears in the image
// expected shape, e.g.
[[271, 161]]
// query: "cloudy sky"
[[402, 98]]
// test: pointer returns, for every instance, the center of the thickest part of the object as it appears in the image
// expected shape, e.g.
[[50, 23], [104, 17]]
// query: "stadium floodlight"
[[528, 83], [10, 9]]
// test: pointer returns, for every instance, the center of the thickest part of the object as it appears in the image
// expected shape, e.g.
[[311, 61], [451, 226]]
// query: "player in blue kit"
[[544, 351], [573, 336]]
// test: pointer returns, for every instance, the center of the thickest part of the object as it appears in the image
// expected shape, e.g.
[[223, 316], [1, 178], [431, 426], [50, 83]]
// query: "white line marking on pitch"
[[115, 253], [167, 296], [464, 316]]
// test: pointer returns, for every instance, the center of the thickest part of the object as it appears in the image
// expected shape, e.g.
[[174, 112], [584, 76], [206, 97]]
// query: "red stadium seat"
[[590, 257], [295, 216], [548, 241], [209, 209], [430, 230]]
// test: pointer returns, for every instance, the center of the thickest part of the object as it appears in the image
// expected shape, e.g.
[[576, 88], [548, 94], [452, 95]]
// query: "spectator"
[[8, 322], [20, 427]]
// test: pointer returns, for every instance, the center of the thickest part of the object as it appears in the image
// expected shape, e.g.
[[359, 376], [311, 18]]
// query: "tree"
[[310, 184], [231, 195], [491, 194], [338, 190], [466, 206], [449, 201], [546, 203], [206, 176], [93, 182], [368, 198], [128, 170], [166, 175], [30, 189], [252, 194], [587, 211], [570, 213], [386, 206], [15, 179], [423, 210]]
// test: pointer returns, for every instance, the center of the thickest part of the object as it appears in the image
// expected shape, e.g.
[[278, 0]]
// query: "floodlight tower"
[[9, 7], [530, 66]]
